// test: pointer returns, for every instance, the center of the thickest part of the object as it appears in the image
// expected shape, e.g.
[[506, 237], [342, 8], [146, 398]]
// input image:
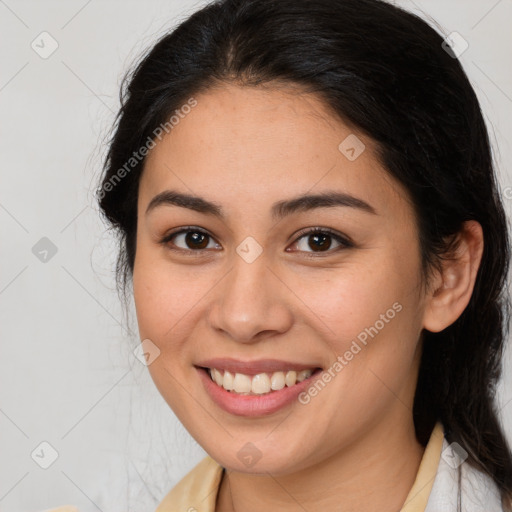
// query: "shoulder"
[[478, 492], [196, 491]]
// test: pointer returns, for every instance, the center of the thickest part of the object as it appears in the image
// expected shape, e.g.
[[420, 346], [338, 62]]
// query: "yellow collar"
[[197, 490]]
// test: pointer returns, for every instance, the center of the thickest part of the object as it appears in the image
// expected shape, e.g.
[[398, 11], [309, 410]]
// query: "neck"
[[376, 472]]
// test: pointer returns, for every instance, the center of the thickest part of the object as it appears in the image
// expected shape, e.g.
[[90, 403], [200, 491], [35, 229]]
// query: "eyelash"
[[344, 242]]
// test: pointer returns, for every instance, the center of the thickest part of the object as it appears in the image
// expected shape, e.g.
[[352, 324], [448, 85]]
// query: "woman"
[[308, 211]]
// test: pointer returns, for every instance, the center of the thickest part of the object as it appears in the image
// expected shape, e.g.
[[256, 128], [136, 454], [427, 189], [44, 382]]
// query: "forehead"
[[255, 145]]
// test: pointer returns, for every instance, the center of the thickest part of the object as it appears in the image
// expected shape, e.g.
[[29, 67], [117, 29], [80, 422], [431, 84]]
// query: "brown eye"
[[321, 240], [189, 240], [196, 240]]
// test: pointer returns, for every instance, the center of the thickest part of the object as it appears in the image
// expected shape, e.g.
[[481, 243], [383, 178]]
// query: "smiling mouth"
[[259, 384]]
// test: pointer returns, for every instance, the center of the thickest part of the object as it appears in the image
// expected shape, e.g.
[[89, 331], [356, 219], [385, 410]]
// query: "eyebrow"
[[279, 209]]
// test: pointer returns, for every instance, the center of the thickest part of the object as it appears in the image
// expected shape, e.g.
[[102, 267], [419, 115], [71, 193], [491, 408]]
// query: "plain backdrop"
[[68, 377]]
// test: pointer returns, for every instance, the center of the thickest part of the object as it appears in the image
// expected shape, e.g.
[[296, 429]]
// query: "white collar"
[[479, 493]]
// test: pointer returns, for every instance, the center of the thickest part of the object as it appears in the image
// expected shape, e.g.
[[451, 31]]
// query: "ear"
[[452, 288]]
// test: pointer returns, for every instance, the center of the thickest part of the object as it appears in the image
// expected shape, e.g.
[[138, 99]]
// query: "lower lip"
[[253, 405]]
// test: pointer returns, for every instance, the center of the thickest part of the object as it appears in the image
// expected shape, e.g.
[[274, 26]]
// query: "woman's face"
[[248, 286]]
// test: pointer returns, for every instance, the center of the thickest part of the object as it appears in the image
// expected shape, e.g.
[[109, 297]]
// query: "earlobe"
[[455, 284]]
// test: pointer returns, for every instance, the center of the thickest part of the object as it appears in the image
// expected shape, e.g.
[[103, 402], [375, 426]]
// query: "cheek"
[[160, 297], [348, 301], [168, 298], [160, 305], [369, 315], [371, 326], [164, 302]]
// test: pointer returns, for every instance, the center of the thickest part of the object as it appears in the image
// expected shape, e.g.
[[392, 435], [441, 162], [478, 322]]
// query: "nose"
[[249, 304]]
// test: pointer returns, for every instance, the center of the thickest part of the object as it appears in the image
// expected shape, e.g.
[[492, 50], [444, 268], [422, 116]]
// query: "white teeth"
[[277, 381], [290, 378], [258, 384], [241, 384], [227, 382], [217, 376], [303, 375]]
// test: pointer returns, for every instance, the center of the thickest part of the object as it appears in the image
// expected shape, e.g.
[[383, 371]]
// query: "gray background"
[[68, 375]]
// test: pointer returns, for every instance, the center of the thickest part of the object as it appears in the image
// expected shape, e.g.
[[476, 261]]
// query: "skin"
[[246, 148]]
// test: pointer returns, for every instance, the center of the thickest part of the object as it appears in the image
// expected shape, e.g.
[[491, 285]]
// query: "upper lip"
[[253, 367]]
